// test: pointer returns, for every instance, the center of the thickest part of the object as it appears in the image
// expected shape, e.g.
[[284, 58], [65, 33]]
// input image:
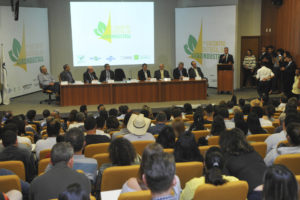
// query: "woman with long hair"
[[280, 184], [241, 160], [186, 149], [240, 122], [198, 122], [254, 124], [166, 137], [214, 164]]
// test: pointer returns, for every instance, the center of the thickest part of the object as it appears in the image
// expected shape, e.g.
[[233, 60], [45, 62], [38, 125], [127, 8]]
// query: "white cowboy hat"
[[138, 124]]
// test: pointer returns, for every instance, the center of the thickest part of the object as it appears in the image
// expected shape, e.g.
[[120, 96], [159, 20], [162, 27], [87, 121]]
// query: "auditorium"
[[149, 100]]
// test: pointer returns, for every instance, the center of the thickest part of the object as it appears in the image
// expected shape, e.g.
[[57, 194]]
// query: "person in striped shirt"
[[249, 65]]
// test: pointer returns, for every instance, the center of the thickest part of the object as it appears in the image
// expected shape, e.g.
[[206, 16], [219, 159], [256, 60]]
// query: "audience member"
[[12, 152], [112, 124], [161, 120], [113, 112], [254, 125], [214, 164], [138, 126], [218, 126], [72, 117], [74, 192], [209, 112], [83, 109], [123, 110], [293, 137], [242, 103], [241, 160], [31, 114], [53, 128], [260, 113], [283, 102], [246, 109], [274, 139], [240, 122], [186, 149], [137, 184], [279, 183], [178, 127], [270, 111], [124, 130], [198, 123], [188, 110], [88, 165], [159, 176], [225, 114], [91, 136], [100, 121], [46, 113], [57, 179], [166, 137], [79, 121]]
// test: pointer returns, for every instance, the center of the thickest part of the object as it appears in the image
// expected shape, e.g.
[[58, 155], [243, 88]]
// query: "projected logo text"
[[199, 50], [109, 32], [18, 54]]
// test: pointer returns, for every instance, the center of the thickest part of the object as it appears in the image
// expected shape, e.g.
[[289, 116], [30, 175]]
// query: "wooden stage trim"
[[144, 91]]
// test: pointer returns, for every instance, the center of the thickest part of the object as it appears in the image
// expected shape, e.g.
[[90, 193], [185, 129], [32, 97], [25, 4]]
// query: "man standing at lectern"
[[226, 58], [194, 71]]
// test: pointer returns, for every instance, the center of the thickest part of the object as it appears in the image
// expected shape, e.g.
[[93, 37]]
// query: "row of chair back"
[[114, 177], [236, 190]]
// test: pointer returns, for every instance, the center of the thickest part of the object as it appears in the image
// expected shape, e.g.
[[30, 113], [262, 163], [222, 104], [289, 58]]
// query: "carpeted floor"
[[21, 105]]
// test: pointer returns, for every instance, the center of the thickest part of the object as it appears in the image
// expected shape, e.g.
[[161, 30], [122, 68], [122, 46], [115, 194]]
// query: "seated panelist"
[[195, 71], [144, 73], [66, 75], [180, 71], [89, 75], [46, 80], [161, 73], [107, 74]]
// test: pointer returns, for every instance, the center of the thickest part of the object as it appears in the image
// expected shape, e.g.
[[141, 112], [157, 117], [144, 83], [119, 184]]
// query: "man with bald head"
[[89, 75], [194, 71], [46, 80], [161, 73]]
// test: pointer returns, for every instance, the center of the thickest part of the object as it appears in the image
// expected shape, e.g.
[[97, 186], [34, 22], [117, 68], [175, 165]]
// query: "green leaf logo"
[[101, 29], [190, 47], [15, 52]]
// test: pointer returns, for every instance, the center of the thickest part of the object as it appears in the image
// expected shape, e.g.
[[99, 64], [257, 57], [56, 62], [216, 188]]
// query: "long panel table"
[[143, 91]]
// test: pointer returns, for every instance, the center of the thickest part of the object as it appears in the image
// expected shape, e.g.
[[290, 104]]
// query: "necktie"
[[196, 71], [146, 75], [180, 72], [107, 75], [161, 74], [92, 78], [226, 57]]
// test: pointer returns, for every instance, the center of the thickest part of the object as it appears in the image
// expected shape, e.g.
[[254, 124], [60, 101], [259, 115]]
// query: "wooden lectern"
[[225, 78]]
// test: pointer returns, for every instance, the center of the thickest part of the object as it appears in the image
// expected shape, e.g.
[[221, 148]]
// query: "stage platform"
[[21, 105]]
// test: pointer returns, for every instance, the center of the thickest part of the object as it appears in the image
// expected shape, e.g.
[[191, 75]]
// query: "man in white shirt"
[[273, 140], [53, 128], [264, 76]]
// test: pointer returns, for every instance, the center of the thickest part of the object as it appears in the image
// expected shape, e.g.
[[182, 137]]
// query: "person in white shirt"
[[264, 76], [53, 128], [274, 139], [283, 101]]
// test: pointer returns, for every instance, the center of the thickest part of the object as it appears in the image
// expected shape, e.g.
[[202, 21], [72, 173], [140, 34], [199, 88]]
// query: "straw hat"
[[138, 124]]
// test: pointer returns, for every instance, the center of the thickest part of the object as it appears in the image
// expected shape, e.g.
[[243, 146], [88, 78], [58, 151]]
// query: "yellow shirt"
[[296, 90], [191, 186]]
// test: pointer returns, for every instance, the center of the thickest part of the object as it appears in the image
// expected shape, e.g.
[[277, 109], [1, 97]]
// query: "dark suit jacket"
[[14, 153], [103, 75], [141, 75], [55, 181], [176, 73], [64, 77], [192, 73], [229, 59], [288, 76], [157, 74], [87, 77]]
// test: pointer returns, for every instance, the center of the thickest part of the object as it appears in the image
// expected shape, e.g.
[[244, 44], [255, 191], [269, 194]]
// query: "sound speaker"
[[17, 10], [277, 2]]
